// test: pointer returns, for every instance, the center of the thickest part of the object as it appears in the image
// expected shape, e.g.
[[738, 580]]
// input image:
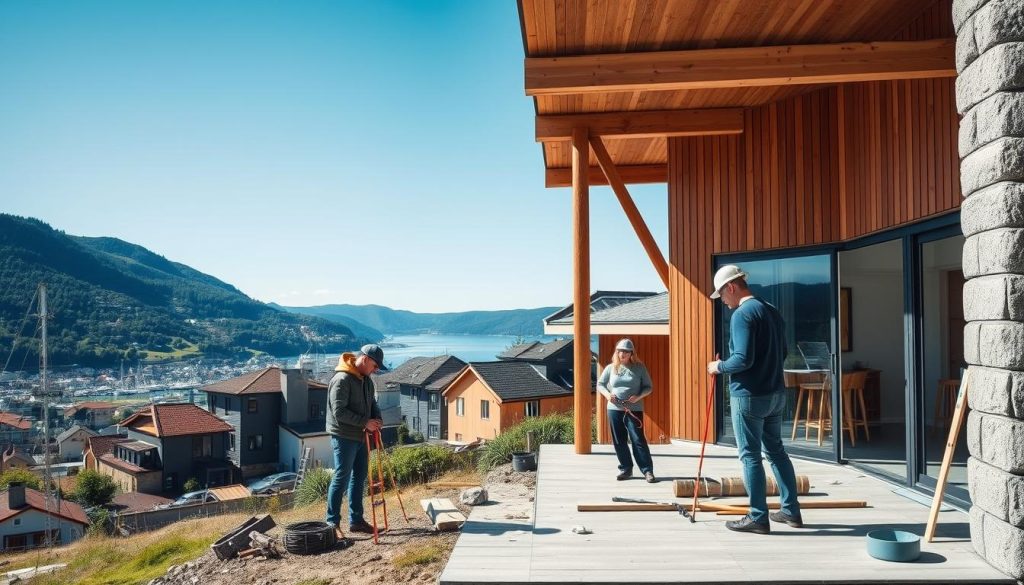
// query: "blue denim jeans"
[[757, 423], [350, 468], [625, 427]]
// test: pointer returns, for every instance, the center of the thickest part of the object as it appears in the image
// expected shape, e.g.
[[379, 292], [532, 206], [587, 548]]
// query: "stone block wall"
[[990, 97]]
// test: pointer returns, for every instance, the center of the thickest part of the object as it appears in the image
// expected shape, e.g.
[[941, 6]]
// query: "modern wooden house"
[[819, 145], [488, 397]]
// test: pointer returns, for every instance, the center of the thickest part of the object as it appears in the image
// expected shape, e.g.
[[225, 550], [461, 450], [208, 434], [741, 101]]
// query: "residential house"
[[186, 442], [486, 398], [421, 382], [15, 458], [134, 466], [71, 443], [643, 319], [23, 519], [275, 414], [16, 429], [98, 446], [94, 415], [552, 359]]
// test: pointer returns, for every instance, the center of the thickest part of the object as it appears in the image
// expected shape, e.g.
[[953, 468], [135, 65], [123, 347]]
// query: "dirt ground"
[[361, 563]]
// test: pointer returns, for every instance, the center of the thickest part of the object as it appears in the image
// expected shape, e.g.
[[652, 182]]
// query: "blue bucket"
[[894, 545]]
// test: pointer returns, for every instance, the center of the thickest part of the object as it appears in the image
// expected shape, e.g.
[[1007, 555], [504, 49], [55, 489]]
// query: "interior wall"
[[937, 259], [875, 275]]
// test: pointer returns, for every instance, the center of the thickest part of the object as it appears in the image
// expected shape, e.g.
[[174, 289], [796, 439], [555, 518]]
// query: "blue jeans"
[[350, 468], [757, 423], [625, 427]]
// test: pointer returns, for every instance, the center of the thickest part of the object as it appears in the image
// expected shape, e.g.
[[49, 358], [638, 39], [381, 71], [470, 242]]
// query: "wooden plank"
[[630, 209], [559, 127], [581, 288], [740, 67], [443, 513], [630, 175], [947, 457]]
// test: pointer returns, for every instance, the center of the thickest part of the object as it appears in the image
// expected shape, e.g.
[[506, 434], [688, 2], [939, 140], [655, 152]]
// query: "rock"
[[473, 496]]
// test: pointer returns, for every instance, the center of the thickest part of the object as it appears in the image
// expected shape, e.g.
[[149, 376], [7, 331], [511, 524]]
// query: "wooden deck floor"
[[664, 547]]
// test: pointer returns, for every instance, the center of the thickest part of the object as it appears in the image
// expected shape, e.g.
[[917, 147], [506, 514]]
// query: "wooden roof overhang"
[[635, 72]]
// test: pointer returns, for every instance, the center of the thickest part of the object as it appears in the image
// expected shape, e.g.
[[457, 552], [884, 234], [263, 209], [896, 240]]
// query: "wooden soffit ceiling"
[[559, 28]]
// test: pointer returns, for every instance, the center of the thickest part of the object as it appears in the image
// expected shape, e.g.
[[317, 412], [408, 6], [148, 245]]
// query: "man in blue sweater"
[[757, 397]]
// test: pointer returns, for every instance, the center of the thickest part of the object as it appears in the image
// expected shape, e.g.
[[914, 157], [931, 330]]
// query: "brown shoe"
[[338, 534], [361, 526]]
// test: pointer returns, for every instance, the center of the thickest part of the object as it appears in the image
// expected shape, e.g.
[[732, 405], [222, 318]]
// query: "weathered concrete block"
[[1001, 345], [996, 391], [990, 489], [966, 46], [999, 439], [963, 10], [999, 21], [998, 542], [995, 206], [1002, 114], [974, 420], [972, 337], [1001, 160], [994, 252], [997, 69], [994, 297]]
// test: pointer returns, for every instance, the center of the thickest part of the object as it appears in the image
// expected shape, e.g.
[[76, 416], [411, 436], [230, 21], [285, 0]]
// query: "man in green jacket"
[[352, 411]]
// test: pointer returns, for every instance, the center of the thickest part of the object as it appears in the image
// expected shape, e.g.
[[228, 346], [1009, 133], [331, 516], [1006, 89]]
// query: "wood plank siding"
[[791, 180], [652, 350]]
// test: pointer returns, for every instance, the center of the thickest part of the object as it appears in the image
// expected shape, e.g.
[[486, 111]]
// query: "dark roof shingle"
[[535, 351], [421, 371], [512, 380], [265, 381]]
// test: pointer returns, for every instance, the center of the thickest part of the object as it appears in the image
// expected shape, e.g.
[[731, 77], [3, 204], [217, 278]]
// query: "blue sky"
[[306, 152]]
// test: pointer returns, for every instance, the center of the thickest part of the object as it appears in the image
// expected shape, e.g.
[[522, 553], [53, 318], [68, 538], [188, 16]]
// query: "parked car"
[[272, 484], [198, 497]]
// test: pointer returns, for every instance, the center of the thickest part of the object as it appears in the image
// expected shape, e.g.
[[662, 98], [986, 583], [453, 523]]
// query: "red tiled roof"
[[94, 405], [265, 381], [33, 499], [104, 444], [113, 461], [137, 502], [16, 421], [173, 420]]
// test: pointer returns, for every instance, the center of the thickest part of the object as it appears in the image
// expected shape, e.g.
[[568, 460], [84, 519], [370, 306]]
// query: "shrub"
[[24, 476], [416, 437], [99, 521], [191, 485], [403, 434], [92, 488], [314, 486], [420, 463], [553, 428]]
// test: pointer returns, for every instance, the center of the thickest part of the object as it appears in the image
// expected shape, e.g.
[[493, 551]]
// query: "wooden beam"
[[581, 288], [632, 213], [630, 174], [558, 128], [741, 67]]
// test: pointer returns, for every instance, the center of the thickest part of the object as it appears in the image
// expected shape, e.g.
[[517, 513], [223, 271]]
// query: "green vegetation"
[[421, 463], [421, 555], [92, 488], [314, 486], [553, 428], [112, 300], [191, 484], [24, 476]]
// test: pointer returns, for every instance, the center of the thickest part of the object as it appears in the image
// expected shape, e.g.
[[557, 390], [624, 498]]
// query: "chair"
[[853, 402], [802, 382], [945, 404], [822, 393]]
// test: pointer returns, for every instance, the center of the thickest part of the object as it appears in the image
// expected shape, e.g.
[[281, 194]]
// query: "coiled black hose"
[[309, 538]]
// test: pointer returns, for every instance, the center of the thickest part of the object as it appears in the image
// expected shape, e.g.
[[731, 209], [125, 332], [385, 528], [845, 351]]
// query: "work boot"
[[624, 475], [784, 518], [747, 524], [361, 526], [649, 476], [338, 534]]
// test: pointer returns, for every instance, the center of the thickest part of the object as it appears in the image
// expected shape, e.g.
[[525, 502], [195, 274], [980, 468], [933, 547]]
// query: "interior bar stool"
[[945, 404], [853, 403]]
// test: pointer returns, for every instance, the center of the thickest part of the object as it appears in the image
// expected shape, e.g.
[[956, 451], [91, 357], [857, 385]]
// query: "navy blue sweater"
[[757, 349]]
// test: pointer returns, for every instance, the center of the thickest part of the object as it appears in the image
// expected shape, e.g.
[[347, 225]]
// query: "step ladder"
[[300, 474]]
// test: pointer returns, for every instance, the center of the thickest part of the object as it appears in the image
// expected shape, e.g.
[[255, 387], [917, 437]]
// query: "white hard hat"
[[725, 275]]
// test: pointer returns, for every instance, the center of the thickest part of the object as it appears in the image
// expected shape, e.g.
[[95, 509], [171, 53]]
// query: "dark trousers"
[[625, 427], [351, 465]]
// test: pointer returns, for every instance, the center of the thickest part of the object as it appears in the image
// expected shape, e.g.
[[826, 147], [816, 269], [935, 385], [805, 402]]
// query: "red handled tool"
[[703, 443]]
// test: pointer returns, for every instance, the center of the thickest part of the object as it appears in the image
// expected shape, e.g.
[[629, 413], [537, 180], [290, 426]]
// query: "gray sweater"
[[633, 380], [350, 405]]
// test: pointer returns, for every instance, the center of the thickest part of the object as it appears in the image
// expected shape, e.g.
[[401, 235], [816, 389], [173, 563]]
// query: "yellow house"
[[488, 397]]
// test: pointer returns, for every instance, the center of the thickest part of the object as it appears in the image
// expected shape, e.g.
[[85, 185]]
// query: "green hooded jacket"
[[351, 401]]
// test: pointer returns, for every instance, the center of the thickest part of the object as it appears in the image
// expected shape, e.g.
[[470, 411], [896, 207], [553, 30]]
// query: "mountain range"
[[525, 322]]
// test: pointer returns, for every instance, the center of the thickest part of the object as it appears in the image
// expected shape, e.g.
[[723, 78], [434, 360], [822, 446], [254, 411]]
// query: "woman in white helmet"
[[625, 383]]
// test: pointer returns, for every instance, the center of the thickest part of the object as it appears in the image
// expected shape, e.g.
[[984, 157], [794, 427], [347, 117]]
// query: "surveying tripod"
[[376, 482]]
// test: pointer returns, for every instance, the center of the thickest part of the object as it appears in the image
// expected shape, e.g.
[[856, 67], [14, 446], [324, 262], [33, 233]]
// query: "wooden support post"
[[632, 213], [581, 287], [947, 457], [601, 413]]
